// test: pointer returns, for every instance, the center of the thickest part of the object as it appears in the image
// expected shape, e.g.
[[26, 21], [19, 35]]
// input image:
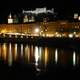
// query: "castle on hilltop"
[[33, 15]]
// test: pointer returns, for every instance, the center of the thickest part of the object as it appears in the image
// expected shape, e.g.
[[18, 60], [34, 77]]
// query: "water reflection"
[[38, 56], [74, 58], [4, 50], [46, 56], [27, 53], [40, 53], [21, 50], [15, 51], [56, 55], [10, 55]]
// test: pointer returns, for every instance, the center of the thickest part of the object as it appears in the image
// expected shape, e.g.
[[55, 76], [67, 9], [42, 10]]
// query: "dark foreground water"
[[23, 61]]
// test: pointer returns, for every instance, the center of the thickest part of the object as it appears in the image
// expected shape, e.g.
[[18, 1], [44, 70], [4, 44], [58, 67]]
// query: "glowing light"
[[37, 30], [25, 18], [40, 51], [36, 56], [74, 32], [79, 18], [15, 53], [39, 10], [10, 16], [4, 51], [56, 55], [76, 35], [76, 16], [46, 56], [57, 34], [74, 58], [11, 33], [3, 31], [10, 20], [31, 19], [21, 36], [70, 35]]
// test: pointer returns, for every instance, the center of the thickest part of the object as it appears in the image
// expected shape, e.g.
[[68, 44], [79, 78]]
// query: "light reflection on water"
[[36, 56], [27, 53], [56, 55], [74, 58], [10, 55], [21, 50], [4, 50], [39, 56], [46, 56], [15, 53]]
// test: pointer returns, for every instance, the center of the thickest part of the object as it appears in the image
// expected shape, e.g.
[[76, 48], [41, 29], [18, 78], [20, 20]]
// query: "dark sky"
[[65, 7], [18, 4]]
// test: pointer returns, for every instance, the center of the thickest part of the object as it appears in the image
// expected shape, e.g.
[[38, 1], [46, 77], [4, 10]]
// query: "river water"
[[38, 62]]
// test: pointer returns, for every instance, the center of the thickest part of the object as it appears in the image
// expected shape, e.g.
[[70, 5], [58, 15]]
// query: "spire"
[[10, 16], [10, 20]]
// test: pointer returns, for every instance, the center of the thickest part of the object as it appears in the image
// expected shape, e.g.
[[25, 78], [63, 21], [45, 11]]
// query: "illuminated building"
[[38, 11], [75, 15], [31, 19], [10, 20], [32, 15], [49, 29], [45, 28], [25, 19]]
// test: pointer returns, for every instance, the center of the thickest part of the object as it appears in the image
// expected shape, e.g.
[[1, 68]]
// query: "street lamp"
[[79, 18], [37, 30]]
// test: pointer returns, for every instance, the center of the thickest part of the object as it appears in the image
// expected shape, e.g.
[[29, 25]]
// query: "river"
[[38, 62]]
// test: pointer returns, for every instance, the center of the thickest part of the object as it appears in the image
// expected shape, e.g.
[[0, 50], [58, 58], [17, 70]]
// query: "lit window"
[[70, 35]]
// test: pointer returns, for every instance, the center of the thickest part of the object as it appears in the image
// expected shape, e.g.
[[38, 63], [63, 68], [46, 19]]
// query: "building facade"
[[57, 28]]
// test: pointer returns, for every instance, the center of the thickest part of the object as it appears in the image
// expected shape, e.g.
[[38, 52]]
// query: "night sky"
[[64, 7]]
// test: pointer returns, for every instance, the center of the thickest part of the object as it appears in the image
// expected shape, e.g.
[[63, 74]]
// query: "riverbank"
[[43, 41]]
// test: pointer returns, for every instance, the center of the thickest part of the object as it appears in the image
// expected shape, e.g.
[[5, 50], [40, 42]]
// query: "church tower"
[[10, 20]]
